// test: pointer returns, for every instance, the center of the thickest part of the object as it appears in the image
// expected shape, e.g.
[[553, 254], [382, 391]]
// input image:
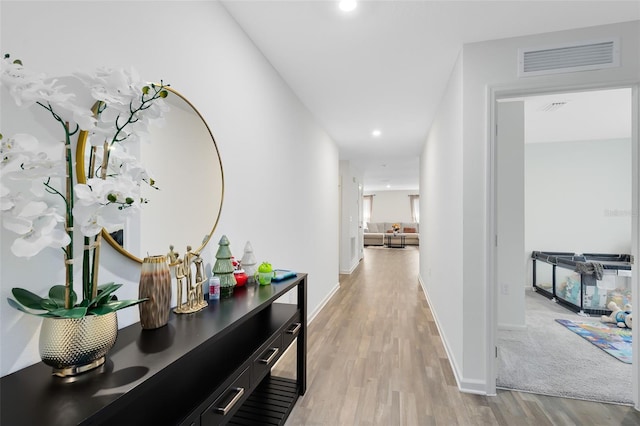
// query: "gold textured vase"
[[155, 285], [76, 345]]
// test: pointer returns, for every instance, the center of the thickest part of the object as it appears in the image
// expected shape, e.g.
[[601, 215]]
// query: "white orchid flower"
[[40, 167], [35, 223], [122, 91], [82, 116], [105, 203], [42, 234], [16, 149], [92, 218], [115, 189], [27, 88], [121, 162], [115, 87], [6, 199]]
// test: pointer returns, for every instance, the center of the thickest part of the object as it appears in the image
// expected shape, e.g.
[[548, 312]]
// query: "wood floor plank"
[[375, 357]]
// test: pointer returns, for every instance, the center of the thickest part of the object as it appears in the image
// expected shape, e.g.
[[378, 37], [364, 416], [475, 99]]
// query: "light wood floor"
[[375, 358]]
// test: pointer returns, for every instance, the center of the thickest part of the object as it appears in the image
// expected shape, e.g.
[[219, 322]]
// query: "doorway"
[[562, 201]]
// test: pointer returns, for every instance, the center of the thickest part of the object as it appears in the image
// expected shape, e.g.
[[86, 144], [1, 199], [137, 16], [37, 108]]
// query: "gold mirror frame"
[[81, 173]]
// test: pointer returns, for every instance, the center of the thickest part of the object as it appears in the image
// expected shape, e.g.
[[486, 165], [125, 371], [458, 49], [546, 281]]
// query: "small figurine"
[[193, 290]]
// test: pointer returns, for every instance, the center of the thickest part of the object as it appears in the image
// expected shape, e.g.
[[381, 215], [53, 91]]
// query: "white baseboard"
[[312, 315], [353, 268], [477, 387], [473, 386]]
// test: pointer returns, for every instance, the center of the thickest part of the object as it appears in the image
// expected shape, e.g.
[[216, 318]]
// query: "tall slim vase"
[[155, 285]]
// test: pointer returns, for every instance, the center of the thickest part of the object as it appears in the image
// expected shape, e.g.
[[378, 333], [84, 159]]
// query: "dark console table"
[[208, 368]]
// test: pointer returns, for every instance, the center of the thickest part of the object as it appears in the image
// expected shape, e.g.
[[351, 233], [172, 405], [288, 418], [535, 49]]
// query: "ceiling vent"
[[553, 106], [569, 58]]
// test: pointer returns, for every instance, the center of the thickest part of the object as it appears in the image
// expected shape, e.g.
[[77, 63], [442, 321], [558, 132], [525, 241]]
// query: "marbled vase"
[[155, 285]]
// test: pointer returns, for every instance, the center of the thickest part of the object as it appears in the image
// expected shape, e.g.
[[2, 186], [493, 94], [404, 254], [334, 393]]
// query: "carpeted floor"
[[550, 360]]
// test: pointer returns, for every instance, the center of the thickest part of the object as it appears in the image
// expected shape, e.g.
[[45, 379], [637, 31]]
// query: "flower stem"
[[86, 283], [69, 220]]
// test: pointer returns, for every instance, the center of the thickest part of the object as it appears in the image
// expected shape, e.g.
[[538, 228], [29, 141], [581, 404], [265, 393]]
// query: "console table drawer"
[[224, 407], [291, 332], [265, 359]]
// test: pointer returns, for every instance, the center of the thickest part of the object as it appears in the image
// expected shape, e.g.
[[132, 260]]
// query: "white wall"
[[441, 217], [391, 206], [510, 260], [281, 168], [491, 66], [350, 221], [578, 197]]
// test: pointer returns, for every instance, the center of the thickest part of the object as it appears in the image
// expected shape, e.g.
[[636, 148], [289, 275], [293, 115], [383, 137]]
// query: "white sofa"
[[374, 232]]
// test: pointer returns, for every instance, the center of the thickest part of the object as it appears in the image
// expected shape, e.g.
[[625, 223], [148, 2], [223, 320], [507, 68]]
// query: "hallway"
[[375, 358]]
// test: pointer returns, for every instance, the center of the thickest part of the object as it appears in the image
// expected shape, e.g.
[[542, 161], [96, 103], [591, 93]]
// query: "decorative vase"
[[155, 285], [76, 345]]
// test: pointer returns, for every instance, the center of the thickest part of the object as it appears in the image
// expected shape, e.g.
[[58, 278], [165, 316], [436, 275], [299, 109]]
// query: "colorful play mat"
[[612, 339]]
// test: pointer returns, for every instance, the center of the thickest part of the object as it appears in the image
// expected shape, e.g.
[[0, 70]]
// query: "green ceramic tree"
[[223, 268]]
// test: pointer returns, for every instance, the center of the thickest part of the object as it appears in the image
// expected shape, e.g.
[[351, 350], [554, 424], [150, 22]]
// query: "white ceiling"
[[386, 64], [580, 116]]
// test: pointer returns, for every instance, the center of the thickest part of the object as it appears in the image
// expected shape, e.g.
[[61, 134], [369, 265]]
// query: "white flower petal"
[[19, 225], [32, 209]]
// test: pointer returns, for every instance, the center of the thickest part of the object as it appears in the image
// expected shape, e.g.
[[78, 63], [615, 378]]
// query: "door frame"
[[494, 93]]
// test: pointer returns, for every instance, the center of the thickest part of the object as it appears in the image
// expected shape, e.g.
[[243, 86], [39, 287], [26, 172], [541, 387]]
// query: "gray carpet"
[[549, 359]]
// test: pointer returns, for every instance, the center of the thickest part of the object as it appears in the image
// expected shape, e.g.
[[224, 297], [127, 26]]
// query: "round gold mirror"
[[185, 163]]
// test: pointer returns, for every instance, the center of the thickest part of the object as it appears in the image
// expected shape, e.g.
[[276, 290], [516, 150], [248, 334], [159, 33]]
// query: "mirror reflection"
[[184, 161]]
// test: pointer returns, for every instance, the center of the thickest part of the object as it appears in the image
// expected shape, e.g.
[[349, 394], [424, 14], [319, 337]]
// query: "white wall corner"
[[477, 387], [311, 316], [352, 268], [464, 385]]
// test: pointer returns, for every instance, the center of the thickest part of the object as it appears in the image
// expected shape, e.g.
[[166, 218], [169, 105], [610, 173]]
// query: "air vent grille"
[[568, 58]]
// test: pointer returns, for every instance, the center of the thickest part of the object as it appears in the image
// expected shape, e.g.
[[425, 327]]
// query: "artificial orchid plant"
[[42, 203]]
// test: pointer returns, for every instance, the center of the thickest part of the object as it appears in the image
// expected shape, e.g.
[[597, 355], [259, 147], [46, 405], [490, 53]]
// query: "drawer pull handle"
[[224, 410], [271, 357], [295, 329]]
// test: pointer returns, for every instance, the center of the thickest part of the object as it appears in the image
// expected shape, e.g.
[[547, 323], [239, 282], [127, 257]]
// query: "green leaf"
[[18, 306], [57, 294], [51, 305], [77, 312], [100, 310], [121, 304], [27, 298], [109, 287], [104, 293], [21, 308]]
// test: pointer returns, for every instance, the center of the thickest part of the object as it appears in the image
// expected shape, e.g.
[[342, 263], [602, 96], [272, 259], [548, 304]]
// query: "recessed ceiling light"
[[376, 133], [347, 5]]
